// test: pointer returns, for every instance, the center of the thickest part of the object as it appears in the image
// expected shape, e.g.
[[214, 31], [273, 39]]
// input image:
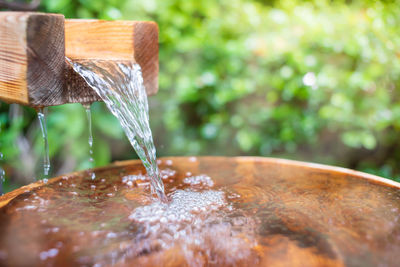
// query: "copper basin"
[[301, 214]]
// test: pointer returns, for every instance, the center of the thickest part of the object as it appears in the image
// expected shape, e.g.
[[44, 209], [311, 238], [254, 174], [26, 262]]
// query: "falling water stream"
[[120, 85], [90, 138], [42, 115], [2, 174]]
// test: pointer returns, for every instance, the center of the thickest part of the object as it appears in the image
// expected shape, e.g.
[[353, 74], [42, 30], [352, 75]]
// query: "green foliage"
[[314, 80]]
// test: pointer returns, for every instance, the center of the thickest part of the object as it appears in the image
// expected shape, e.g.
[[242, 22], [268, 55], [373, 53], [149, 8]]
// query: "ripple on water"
[[198, 223]]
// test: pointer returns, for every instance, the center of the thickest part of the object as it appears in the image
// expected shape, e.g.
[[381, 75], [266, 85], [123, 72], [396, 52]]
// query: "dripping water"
[[2, 174], [42, 115], [90, 138], [120, 85]]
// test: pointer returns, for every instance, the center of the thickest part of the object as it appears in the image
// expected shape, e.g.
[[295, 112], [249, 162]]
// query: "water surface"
[[223, 212]]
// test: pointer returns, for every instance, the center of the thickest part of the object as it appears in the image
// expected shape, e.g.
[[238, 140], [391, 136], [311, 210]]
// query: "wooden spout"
[[33, 47], [110, 40]]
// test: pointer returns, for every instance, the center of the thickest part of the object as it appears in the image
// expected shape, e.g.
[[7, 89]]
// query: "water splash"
[[90, 138], [120, 85], [42, 115]]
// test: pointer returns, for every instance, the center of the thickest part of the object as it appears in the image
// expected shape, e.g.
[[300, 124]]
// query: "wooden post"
[[31, 57], [33, 47]]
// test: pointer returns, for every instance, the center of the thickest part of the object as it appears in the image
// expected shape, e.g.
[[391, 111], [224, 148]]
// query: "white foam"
[[184, 206], [201, 225]]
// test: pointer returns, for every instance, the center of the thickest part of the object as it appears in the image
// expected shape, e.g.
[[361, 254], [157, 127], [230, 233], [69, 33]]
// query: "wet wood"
[[31, 57], [311, 215], [110, 40], [33, 47]]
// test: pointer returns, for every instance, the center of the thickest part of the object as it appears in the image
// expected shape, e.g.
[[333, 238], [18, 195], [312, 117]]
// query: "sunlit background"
[[307, 80]]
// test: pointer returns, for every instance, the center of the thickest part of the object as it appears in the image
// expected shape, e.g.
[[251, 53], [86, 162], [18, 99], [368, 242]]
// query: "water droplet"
[[90, 138], [48, 254], [42, 115], [111, 235], [202, 179]]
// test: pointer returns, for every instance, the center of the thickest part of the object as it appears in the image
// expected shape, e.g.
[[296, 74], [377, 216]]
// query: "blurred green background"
[[308, 80]]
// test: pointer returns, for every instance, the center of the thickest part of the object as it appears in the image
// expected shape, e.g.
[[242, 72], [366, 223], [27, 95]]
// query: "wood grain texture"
[[145, 43], [306, 215], [33, 47], [31, 57], [99, 39], [110, 40], [46, 60], [13, 58]]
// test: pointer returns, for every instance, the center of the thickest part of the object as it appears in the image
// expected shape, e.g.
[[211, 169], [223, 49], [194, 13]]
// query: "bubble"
[[134, 178], [183, 206], [111, 235], [196, 223], [167, 173], [48, 254], [140, 179], [199, 180]]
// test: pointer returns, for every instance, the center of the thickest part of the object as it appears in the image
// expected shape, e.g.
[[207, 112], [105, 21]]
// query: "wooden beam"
[[31, 57], [33, 47], [110, 40]]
